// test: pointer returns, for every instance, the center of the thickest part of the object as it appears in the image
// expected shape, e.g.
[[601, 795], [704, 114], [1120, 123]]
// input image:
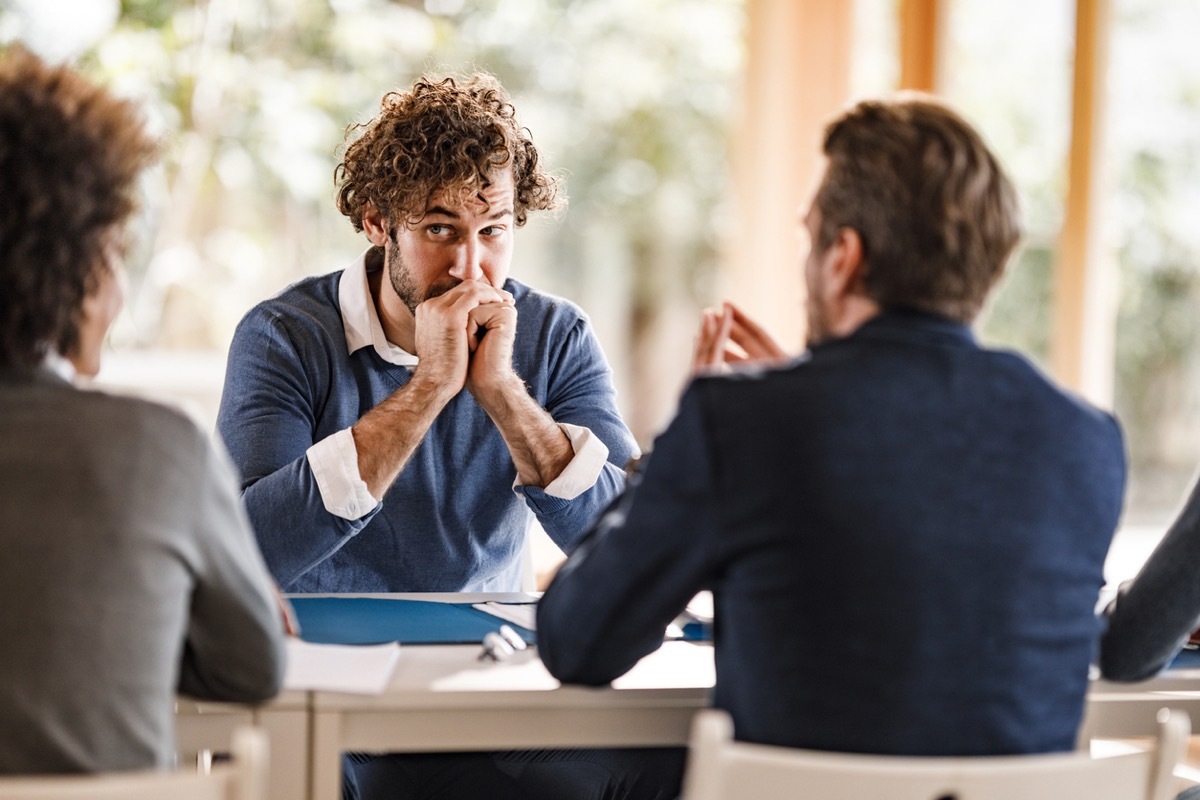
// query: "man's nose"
[[468, 265]]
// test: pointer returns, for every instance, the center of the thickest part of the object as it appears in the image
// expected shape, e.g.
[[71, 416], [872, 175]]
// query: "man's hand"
[[491, 330], [539, 449], [728, 336], [446, 338], [447, 328], [290, 626]]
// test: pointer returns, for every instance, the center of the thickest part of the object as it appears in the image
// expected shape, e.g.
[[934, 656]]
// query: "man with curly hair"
[[396, 423], [129, 569]]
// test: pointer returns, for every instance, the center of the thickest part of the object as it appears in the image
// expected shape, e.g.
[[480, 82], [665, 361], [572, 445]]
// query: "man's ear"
[[374, 225], [847, 265]]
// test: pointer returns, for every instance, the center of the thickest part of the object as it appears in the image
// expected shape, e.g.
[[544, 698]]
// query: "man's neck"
[[852, 313]]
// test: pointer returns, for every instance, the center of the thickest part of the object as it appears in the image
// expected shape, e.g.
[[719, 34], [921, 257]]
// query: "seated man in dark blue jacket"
[[904, 531]]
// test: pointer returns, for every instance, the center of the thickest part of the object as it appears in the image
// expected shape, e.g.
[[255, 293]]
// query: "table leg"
[[289, 769], [325, 756]]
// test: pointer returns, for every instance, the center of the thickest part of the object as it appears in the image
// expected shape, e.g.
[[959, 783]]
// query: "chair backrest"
[[243, 778], [720, 768]]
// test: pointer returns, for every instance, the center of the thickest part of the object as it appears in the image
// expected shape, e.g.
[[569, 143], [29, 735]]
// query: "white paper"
[[357, 669], [701, 607], [523, 614]]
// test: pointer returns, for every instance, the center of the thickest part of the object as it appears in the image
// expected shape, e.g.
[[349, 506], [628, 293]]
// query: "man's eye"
[[439, 230], [492, 230]]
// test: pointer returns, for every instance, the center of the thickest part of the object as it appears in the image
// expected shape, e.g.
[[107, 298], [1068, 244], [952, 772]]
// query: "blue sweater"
[[904, 533], [451, 521]]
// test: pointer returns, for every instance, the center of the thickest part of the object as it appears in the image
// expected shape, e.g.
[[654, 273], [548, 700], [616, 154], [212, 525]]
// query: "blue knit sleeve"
[[580, 392], [273, 390]]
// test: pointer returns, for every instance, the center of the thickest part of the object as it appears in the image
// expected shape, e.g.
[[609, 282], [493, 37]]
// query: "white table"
[[1127, 710], [444, 698], [205, 726]]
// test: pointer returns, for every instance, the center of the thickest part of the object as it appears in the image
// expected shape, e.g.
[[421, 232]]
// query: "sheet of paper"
[[357, 669], [523, 614], [701, 607]]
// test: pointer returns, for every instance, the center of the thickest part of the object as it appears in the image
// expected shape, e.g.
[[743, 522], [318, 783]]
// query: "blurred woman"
[[129, 572]]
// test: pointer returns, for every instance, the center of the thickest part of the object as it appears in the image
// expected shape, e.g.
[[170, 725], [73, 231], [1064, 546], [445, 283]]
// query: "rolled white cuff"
[[334, 462], [591, 454]]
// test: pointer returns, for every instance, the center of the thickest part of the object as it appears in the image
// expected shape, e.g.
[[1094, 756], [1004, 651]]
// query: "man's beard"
[[816, 328], [406, 288], [817, 323]]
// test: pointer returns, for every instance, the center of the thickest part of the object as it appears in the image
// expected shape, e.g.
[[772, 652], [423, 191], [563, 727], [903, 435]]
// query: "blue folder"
[[1188, 658], [374, 620]]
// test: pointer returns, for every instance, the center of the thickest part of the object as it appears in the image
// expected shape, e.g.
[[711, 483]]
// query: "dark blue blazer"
[[904, 533]]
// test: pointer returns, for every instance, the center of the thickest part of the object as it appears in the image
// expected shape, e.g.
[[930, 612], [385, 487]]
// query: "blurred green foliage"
[[630, 100], [253, 97], [633, 101]]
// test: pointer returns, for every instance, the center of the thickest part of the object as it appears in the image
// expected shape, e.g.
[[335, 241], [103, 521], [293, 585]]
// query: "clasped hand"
[[464, 338]]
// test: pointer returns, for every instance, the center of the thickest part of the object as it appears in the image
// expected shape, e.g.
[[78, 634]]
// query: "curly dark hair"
[[439, 135], [937, 216], [70, 155]]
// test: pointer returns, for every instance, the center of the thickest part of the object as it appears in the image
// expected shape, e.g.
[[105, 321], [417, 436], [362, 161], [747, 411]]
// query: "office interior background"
[[687, 132]]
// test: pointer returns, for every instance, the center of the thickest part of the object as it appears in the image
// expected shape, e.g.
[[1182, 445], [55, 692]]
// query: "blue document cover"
[[1187, 658], [372, 620]]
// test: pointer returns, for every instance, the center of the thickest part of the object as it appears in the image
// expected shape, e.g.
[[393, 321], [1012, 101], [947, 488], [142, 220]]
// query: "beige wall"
[[797, 76]]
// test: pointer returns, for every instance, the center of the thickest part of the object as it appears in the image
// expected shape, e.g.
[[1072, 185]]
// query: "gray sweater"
[[129, 574]]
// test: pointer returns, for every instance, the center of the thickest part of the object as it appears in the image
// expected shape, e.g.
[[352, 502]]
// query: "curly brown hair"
[[70, 155], [937, 216], [439, 135]]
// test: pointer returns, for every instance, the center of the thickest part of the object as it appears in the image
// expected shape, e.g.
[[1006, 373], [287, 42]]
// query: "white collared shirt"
[[60, 365], [334, 459]]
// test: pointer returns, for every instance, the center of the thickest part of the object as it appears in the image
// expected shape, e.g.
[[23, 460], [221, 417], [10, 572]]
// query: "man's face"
[[455, 241], [816, 304]]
